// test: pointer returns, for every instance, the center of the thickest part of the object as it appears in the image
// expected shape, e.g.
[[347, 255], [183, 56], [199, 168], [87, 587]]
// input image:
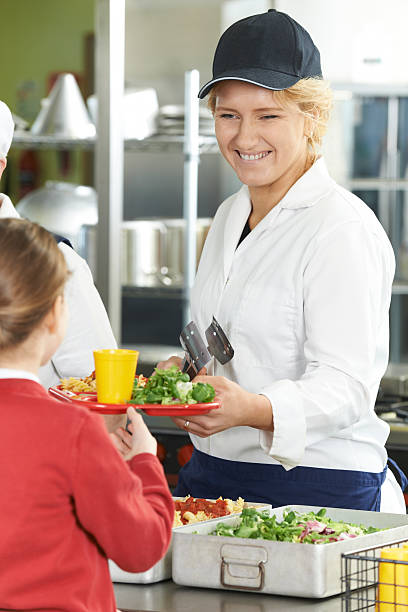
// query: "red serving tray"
[[89, 400], [176, 409]]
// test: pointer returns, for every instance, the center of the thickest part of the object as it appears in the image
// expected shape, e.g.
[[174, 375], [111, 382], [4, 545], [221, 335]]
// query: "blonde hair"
[[33, 273], [314, 99]]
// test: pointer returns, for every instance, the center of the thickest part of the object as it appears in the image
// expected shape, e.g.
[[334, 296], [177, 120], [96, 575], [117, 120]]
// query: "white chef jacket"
[[304, 300], [88, 324]]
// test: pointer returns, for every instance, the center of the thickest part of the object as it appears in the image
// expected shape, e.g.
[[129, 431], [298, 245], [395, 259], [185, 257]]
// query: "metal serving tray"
[[162, 569], [280, 568]]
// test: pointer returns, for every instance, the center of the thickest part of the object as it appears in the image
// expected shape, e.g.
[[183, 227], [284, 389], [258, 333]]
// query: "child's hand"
[[139, 441]]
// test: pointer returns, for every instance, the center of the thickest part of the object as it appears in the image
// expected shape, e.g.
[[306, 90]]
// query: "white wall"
[[164, 39], [359, 40]]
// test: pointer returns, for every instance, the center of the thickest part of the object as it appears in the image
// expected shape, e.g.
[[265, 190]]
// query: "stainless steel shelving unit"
[[389, 184], [109, 147], [378, 184], [109, 175], [191, 145], [171, 293], [157, 143], [400, 288], [24, 140]]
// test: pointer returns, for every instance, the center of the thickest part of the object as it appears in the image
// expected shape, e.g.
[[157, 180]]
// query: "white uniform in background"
[[88, 324], [304, 301]]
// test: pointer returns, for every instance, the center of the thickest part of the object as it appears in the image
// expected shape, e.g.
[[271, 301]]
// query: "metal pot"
[[152, 250], [172, 269], [141, 243], [61, 208], [172, 262], [141, 252], [87, 245]]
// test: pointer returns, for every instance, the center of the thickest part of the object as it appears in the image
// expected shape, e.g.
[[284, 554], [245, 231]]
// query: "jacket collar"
[[235, 222], [310, 188], [307, 190]]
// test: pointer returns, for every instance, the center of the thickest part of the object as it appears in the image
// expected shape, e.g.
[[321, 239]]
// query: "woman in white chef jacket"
[[298, 271]]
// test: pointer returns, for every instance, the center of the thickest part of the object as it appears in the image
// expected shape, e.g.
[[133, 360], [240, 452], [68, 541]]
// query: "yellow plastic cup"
[[393, 581], [115, 371]]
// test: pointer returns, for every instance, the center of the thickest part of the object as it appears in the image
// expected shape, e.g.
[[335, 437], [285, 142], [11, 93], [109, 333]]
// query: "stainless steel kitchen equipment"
[[64, 114], [20, 123], [172, 249], [152, 250], [162, 569], [174, 598], [140, 108], [61, 208], [282, 568], [172, 265], [197, 353], [170, 120], [87, 245], [142, 252], [395, 380], [218, 343], [109, 176]]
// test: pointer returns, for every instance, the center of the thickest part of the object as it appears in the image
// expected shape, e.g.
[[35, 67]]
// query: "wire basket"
[[376, 578]]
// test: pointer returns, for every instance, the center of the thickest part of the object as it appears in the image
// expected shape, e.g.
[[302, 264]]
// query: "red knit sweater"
[[67, 502]]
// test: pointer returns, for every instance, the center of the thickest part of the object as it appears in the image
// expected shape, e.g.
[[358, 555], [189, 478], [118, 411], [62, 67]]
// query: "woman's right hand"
[[171, 361], [140, 440]]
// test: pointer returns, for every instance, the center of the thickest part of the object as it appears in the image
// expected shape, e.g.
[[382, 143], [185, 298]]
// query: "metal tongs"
[[197, 353]]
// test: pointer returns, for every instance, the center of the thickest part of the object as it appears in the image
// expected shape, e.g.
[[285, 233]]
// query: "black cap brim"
[[268, 79]]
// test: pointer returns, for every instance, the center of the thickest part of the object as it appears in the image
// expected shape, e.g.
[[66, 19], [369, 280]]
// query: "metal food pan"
[[280, 568], [162, 569]]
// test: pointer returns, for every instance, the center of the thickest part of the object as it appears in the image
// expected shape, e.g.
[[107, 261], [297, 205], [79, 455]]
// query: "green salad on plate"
[[171, 386]]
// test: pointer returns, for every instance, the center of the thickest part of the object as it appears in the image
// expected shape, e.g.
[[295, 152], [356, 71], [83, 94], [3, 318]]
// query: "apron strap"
[[398, 473]]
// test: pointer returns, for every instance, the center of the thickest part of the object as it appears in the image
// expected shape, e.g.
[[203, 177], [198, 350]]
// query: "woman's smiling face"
[[264, 143]]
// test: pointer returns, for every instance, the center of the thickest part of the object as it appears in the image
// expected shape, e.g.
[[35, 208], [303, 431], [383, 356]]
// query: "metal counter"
[[169, 597]]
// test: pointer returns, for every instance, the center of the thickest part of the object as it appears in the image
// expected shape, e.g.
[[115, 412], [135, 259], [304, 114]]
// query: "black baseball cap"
[[271, 50]]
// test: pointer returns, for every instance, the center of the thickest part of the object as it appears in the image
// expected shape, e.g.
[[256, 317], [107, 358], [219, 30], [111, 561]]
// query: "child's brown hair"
[[33, 273]]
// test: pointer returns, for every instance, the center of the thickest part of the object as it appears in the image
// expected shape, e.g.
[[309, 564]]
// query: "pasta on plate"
[[193, 510]]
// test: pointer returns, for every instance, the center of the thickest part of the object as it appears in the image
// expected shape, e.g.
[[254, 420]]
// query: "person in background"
[[71, 496], [298, 271], [88, 324]]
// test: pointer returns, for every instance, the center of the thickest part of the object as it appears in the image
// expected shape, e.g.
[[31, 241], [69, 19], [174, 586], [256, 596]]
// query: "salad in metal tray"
[[306, 528]]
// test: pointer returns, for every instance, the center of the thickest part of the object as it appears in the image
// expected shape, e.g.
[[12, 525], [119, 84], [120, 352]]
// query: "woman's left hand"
[[238, 407]]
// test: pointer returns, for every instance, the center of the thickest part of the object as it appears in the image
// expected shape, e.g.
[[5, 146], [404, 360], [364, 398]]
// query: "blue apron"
[[211, 477]]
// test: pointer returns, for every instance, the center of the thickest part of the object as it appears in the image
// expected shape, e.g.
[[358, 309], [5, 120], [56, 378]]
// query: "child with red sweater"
[[69, 498]]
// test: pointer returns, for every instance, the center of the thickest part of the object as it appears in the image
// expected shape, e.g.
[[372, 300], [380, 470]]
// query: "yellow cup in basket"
[[393, 581], [115, 371]]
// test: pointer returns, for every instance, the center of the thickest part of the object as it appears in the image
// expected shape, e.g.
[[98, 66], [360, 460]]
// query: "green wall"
[[39, 37]]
